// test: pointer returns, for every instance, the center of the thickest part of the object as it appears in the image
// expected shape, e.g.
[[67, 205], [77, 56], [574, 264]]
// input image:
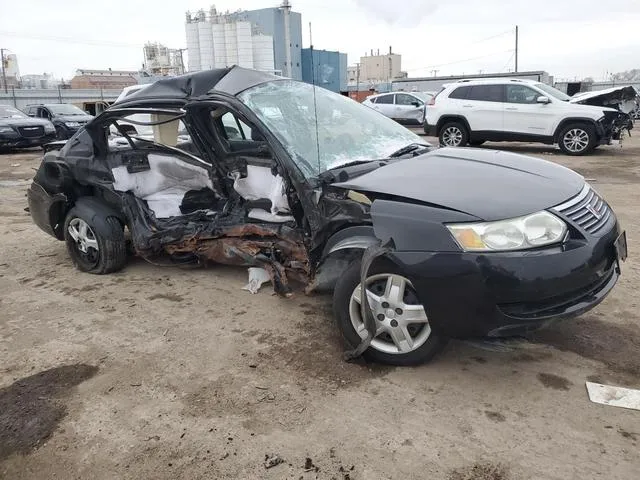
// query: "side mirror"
[[31, 114], [543, 99], [416, 104]]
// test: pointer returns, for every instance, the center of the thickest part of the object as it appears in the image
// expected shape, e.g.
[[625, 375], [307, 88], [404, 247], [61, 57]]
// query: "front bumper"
[[429, 130], [15, 140], [511, 293]]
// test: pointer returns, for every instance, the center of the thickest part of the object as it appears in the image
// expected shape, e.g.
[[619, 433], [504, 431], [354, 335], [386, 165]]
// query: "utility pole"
[[286, 9], [313, 71], [4, 73], [434, 72], [516, 49]]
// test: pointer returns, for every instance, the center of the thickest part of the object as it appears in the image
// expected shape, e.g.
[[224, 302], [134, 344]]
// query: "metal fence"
[[20, 98]]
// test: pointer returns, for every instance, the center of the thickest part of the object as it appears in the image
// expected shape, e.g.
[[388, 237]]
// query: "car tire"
[[476, 143], [453, 134], [95, 245], [427, 343], [577, 139]]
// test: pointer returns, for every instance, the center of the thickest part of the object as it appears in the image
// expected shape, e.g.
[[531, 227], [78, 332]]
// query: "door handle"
[[467, 106], [511, 108]]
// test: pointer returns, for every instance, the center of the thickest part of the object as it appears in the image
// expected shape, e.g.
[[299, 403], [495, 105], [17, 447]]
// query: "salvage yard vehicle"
[[17, 130], [506, 110], [66, 118], [404, 107], [418, 244]]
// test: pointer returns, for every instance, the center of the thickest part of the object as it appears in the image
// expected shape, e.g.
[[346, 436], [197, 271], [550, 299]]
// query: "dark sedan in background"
[[17, 130]]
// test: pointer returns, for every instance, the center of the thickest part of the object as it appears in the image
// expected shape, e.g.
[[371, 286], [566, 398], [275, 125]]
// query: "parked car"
[[472, 112], [419, 244], [17, 130], [66, 118], [403, 107]]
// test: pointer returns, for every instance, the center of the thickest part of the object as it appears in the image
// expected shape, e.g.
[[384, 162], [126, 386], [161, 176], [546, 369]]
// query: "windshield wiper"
[[412, 147]]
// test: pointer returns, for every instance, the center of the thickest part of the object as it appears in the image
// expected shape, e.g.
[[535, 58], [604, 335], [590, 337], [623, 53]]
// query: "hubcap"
[[452, 137], [401, 322], [84, 237], [576, 140]]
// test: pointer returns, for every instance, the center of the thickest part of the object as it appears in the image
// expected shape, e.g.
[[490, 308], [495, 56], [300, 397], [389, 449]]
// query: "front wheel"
[[96, 245], [453, 134], [577, 139], [404, 335]]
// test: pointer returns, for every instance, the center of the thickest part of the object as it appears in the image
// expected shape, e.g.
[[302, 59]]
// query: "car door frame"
[[472, 107], [399, 111], [538, 130], [306, 189]]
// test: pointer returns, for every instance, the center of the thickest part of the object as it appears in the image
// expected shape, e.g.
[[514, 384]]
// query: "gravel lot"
[[169, 373]]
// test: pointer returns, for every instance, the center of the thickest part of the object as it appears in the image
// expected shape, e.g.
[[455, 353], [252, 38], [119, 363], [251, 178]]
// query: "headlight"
[[49, 128], [72, 124], [535, 230], [5, 129]]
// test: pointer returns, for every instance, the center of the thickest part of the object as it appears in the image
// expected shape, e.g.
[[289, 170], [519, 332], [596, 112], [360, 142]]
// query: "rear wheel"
[[577, 139], [95, 245], [453, 134], [404, 335]]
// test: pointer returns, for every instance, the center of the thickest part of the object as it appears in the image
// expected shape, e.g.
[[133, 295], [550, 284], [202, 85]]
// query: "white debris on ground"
[[257, 277], [614, 396]]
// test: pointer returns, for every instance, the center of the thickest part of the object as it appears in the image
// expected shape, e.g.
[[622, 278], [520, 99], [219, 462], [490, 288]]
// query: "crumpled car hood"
[[623, 98], [488, 184]]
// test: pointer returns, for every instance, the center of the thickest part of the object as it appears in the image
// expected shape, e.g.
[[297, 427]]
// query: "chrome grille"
[[587, 210], [31, 132]]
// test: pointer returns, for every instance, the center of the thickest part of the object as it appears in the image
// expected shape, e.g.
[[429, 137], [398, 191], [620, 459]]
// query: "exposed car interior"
[[167, 172]]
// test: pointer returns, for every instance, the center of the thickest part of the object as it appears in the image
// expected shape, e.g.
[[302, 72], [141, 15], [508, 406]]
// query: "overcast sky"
[[567, 38]]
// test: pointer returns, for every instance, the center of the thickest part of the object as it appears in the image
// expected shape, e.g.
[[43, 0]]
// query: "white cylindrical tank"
[[206, 46], [244, 44], [219, 46], [193, 47], [263, 57], [231, 43]]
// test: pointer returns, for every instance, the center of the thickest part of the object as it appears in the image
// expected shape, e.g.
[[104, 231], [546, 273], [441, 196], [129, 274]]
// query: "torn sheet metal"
[[614, 396], [257, 277], [624, 99]]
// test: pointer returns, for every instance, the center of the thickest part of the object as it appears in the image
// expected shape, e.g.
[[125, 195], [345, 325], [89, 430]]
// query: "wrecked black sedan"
[[418, 244]]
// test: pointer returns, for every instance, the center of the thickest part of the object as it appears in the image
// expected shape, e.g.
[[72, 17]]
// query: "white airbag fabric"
[[261, 183], [163, 186]]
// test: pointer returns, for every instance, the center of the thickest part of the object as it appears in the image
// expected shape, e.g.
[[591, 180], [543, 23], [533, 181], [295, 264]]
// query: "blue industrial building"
[[271, 21], [325, 68]]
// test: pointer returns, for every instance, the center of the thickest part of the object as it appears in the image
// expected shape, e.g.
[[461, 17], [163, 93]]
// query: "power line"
[[460, 61], [508, 61]]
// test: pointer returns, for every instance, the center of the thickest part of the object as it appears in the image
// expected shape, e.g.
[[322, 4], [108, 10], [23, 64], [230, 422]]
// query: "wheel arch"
[[568, 121], [98, 211], [451, 118]]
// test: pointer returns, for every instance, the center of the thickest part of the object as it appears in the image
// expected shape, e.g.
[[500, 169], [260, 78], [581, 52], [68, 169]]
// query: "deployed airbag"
[[164, 185]]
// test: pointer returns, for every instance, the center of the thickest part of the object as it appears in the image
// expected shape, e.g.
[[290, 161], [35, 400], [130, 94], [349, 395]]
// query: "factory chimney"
[[286, 9]]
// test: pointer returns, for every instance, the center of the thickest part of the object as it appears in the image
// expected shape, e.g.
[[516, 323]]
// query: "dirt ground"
[[169, 373]]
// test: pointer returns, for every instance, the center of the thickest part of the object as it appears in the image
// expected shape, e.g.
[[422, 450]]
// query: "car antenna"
[[315, 103]]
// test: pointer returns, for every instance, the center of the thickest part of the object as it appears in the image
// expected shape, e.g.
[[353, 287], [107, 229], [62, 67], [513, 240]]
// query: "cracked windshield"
[[346, 131]]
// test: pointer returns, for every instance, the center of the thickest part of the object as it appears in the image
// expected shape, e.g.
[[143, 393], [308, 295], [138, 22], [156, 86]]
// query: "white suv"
[[500, 110]]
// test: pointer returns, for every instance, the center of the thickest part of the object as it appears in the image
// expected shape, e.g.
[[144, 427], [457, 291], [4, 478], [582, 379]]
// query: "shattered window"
[[337, 132]]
